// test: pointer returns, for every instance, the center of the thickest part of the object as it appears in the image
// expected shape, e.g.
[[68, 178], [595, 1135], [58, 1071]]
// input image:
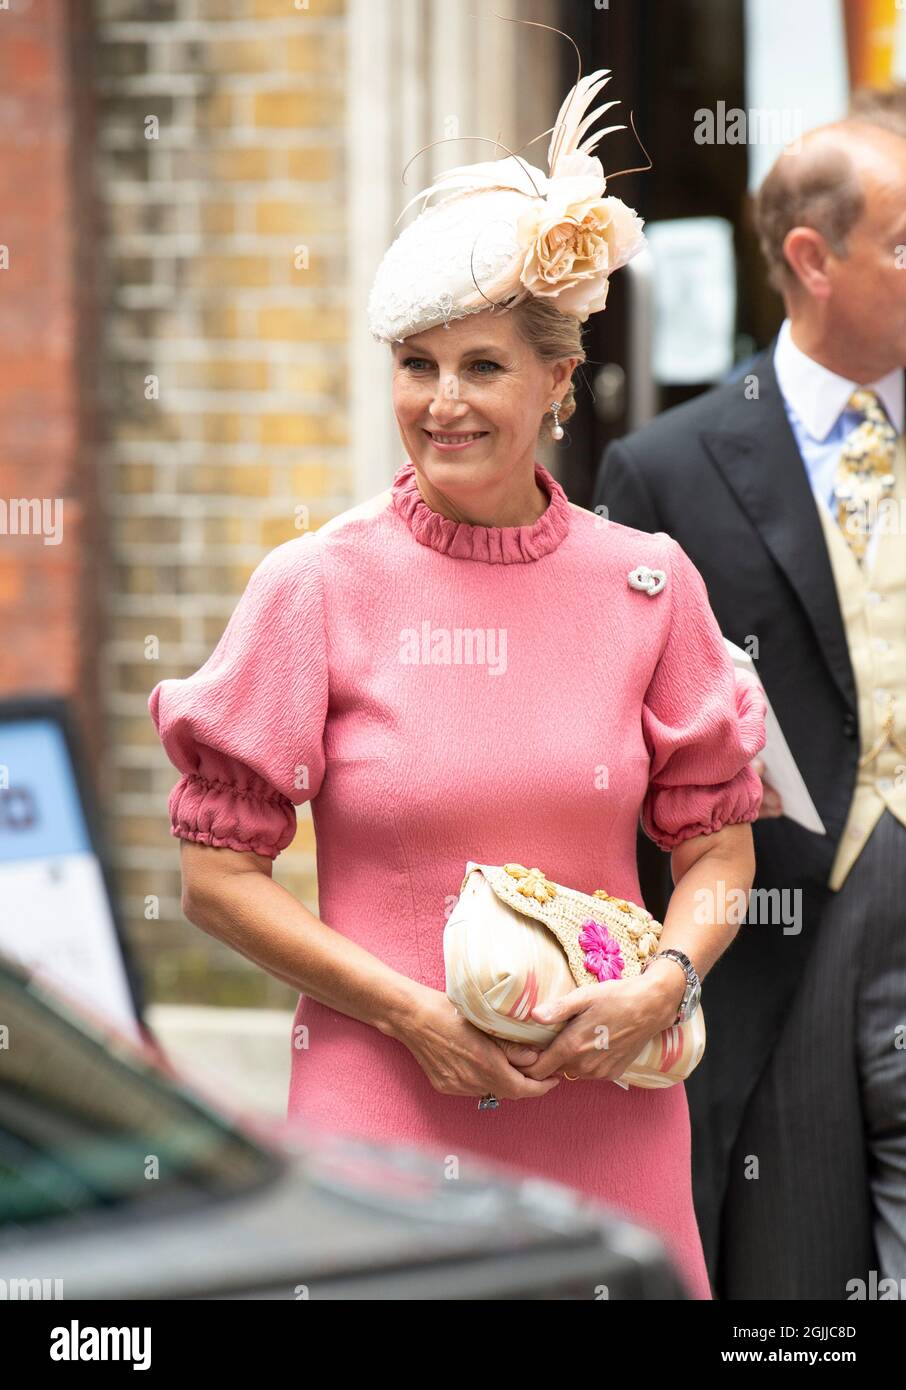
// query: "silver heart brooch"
[[649, 581]]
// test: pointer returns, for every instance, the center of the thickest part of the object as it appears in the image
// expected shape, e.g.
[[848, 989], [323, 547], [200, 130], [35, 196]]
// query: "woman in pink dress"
[[467, 667]]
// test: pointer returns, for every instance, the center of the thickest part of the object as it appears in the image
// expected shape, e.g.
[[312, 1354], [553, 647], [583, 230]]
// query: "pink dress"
[[444, 692]]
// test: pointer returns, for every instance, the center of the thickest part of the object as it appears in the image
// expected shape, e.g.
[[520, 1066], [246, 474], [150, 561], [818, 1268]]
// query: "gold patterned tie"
[[864, 471]]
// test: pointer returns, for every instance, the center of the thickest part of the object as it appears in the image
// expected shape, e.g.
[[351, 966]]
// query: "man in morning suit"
[[787, 488]]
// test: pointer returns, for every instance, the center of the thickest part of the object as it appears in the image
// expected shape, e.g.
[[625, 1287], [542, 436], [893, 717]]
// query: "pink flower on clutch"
[[602, 952]]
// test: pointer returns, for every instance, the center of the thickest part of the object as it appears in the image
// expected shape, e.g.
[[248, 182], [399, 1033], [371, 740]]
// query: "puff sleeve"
[[703, 722], [246, 730]]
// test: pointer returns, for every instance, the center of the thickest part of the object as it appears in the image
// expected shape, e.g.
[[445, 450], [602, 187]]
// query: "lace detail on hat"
[[425, 279]]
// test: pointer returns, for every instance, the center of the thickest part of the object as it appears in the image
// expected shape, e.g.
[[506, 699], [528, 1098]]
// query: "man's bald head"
[[832, 219], [826, 182]]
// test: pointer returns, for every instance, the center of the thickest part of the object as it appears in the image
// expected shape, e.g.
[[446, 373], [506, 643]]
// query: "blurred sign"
[[56, 916], [693, 290]]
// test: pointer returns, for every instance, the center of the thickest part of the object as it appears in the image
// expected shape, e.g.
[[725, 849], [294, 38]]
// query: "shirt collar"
[[819, 396]]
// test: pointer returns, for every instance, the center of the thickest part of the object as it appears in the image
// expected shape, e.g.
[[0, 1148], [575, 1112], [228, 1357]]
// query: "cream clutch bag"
[[516, 940]]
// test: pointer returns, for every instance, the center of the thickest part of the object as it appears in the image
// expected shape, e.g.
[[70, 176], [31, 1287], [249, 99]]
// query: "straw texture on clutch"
[[516, 940]]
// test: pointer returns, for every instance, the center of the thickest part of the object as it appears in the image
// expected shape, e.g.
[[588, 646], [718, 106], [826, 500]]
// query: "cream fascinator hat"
[[503, 230]]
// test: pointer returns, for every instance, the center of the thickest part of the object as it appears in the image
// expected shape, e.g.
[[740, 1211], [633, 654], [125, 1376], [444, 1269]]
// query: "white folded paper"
[[780, 768]]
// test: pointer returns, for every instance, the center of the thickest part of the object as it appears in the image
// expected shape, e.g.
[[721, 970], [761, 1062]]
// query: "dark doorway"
[[670, 59]]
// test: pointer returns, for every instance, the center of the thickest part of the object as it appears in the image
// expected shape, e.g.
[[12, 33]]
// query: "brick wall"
[[220, 160], [49, 592]]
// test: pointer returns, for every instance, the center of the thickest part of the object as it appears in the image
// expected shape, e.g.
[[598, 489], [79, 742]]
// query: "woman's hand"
[[459, 1060], [607, 1025]]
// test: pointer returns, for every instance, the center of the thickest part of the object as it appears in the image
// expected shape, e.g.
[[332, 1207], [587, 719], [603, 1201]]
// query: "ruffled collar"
[[496, 545]]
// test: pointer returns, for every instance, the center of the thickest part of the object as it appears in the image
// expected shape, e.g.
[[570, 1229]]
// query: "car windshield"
[[87, 1123]]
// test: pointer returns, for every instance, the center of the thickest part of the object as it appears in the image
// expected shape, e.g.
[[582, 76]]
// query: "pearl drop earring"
[[557, 430]]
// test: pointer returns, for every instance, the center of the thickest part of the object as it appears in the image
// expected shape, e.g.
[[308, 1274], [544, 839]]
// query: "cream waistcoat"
[[873, 605]]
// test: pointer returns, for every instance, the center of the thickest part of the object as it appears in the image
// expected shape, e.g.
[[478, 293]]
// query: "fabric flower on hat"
[[574, 244]]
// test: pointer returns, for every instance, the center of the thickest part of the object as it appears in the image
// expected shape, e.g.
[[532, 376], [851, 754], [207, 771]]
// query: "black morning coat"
[[723, 476]]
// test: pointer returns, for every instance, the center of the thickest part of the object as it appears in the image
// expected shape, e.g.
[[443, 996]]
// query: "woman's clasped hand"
[[605, 1027]]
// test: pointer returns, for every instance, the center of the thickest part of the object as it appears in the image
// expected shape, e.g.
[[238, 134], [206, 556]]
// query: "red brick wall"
[[221, 153], [49, 593]]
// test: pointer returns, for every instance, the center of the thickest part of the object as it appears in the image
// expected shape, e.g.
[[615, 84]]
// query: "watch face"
[[694, 1000]]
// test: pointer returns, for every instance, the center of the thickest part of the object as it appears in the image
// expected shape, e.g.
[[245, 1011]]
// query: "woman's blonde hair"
[[552, 336]]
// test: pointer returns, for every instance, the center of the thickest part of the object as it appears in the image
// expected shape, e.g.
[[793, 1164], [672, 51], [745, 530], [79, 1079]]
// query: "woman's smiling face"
[[469, 400]]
